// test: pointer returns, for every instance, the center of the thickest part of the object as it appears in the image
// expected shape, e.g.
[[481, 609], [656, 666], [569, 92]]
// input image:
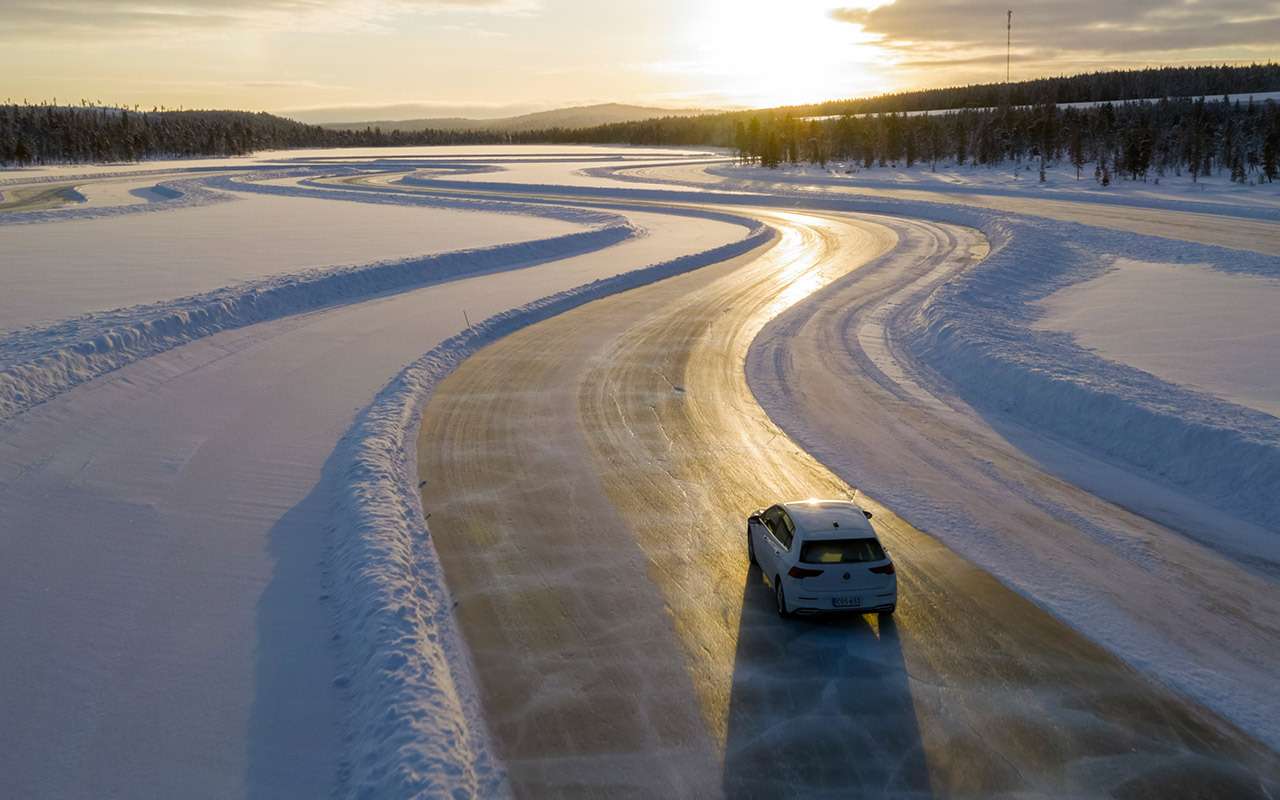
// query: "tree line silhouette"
[[994, 124], [1137, 141], [52, 134], [1192, 128], [1092, 87]]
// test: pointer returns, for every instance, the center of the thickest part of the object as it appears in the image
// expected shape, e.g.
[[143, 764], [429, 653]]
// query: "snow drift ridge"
[[976, 332], [40, 363]]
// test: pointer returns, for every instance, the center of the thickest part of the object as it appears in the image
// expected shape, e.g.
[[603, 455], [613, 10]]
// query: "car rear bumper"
[[832, 602]]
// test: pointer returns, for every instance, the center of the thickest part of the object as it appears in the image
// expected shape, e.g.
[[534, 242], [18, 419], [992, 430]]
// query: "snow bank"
[[78, 177], [167, 196], [387, 195], [978, 332], [157, 193], [657, 174], [417, 729], [973, 333], [1209, 196], [453, 168], [609, 192], [39, 363], [1188, 324]]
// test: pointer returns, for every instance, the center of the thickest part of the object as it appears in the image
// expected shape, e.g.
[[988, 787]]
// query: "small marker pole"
[[468, 319], [1008, 45]]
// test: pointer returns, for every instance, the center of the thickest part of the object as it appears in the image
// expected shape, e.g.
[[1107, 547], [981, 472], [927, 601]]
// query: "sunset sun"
[[760, 55]]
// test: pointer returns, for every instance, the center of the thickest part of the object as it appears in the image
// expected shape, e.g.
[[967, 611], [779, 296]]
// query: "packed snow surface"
[[393, 579], [1210, 194], [587, 174], [56, 270], [347, 155], [1188, 602], [206, 597], [1204, 467], [208, 511], [1186, 323], [1210, 469]]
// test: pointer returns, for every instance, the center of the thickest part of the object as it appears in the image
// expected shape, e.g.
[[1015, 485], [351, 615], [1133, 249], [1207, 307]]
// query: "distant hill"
[[396, 111], [577, 117]]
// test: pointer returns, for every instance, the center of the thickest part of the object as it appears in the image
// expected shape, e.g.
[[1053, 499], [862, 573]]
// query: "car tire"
[[781, 597], [751, 550], [888, 612]]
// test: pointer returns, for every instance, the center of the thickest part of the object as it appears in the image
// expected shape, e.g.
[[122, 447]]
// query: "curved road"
[[164, 531], [167, 627], [587, 479], [1222, 230]]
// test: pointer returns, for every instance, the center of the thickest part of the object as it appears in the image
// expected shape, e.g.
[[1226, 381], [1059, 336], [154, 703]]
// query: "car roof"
[[829, 519]]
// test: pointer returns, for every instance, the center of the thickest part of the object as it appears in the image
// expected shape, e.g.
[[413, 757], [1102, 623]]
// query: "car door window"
[[773, 521], [786, 530]]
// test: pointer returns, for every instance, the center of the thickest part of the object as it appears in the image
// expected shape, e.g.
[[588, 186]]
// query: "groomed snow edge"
[[416, 726]]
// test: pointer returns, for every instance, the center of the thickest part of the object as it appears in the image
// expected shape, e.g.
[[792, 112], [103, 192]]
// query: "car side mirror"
[[867, 514], [754, 519]]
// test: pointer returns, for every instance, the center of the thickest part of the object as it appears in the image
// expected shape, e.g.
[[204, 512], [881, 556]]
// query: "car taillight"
[[801, 572], [884, 569]]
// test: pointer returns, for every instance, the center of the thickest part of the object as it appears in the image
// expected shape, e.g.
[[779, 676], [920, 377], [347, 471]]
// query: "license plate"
[[847, 602]]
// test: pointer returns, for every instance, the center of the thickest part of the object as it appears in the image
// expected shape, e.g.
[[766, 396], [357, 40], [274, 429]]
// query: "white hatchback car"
[[822, 555]]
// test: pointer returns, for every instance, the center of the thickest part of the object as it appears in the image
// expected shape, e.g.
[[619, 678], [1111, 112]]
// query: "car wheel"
[[781, 597], [751, 550], [888, 612]]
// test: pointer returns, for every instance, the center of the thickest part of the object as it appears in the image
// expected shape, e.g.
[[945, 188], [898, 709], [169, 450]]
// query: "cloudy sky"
[[491, 57]]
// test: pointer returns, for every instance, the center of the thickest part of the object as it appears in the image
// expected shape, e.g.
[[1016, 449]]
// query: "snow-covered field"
[[490, 153], [1212, 194], [587, 174], [1189, 324], [126, 192], [171, 597], [978, 332], [56, 270], [205, 406]]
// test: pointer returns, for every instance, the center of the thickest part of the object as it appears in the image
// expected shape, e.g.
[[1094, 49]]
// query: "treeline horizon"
[[1123, 139], [1133, 141], [53, 134], [1152, 83], [1200, 134]]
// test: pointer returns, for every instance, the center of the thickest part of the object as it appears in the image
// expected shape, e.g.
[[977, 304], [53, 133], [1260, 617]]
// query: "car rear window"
[[841, 551]]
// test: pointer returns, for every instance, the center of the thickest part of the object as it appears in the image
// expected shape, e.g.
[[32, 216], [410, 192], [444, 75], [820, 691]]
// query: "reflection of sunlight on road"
[[829, 695], [672, 649], [797, 257], [799, 277], [804, 259]]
